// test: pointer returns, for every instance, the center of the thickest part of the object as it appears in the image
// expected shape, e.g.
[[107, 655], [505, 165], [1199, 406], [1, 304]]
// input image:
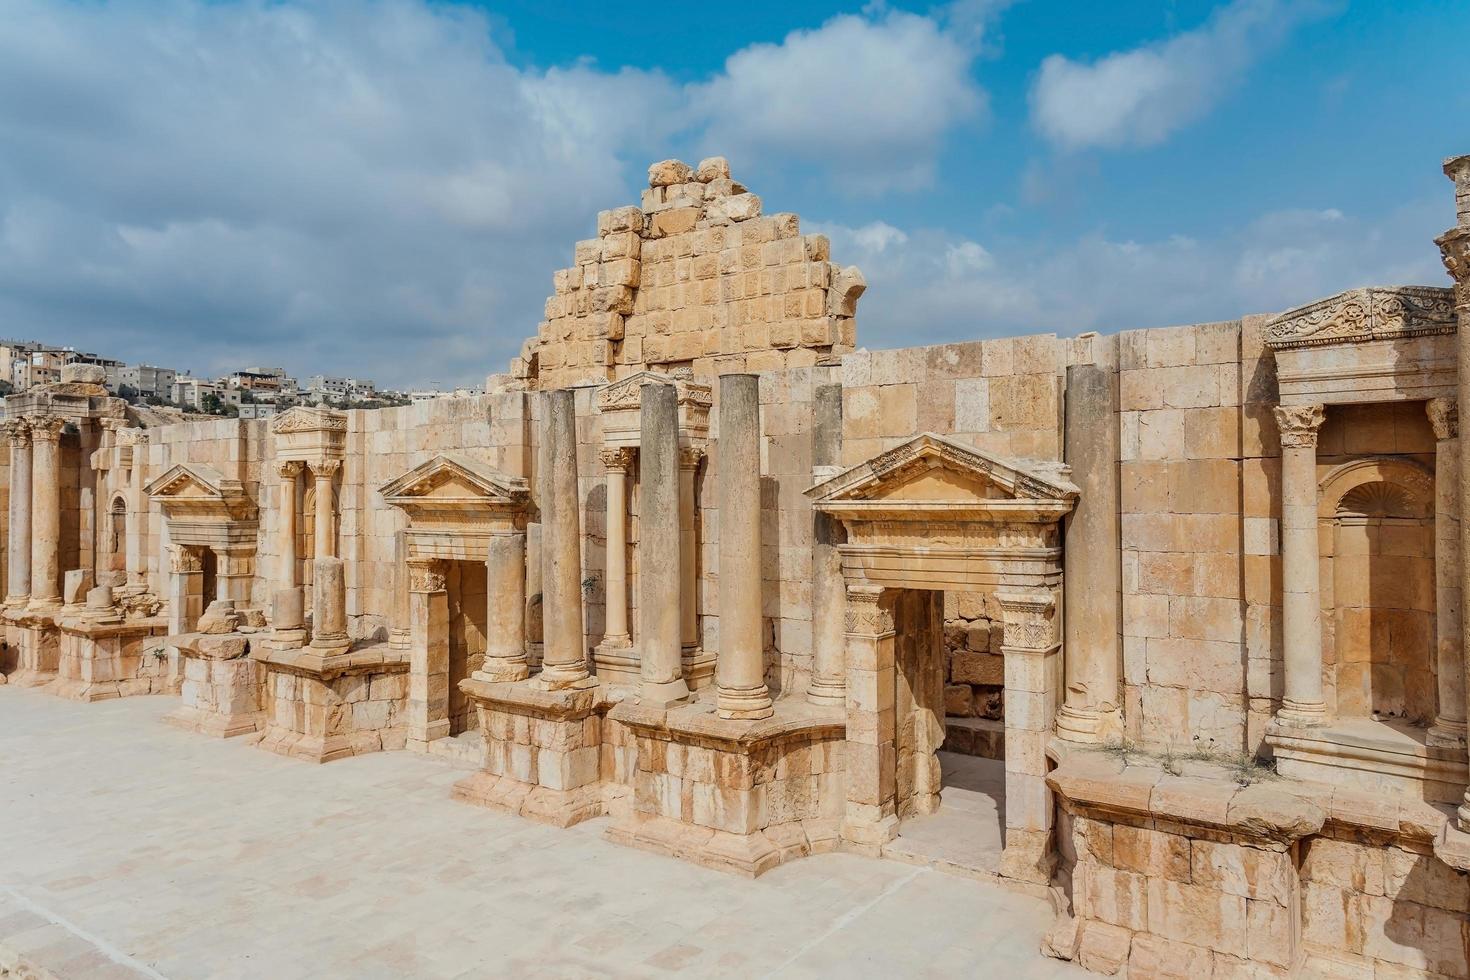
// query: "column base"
[[1301, 714], [564, 679], [699, 667], [665, 694], [749, 704], [1086, 726], [28, 677], [827, 693], [494, 670], [1447, 732]]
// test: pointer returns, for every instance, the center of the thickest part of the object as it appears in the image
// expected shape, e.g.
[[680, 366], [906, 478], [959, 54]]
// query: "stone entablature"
[[619, 402], [455, 503], [1366, 345]]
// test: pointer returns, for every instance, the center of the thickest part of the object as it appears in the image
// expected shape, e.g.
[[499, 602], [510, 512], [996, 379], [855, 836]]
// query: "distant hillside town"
[[251, 392]]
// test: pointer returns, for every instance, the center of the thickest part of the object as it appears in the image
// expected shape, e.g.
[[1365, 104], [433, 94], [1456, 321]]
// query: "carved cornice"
[[1444, 417], [325, 469], [867, 615], [1359, 315], [1029, 620], [46, 428], [1298, 425], [304, 419], [617, 460], [628, 393]]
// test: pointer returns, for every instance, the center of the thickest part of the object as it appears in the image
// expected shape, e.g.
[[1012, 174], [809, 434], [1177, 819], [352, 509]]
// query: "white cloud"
[[371, 188], [867, 98], [927, 287], [1140, 96]]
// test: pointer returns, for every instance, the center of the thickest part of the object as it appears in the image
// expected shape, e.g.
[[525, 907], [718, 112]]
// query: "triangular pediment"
[[191, 481], [455, 479], [932, 470]]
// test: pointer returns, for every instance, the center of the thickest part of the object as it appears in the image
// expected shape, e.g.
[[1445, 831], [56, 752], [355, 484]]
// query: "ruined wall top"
[[697, 282]]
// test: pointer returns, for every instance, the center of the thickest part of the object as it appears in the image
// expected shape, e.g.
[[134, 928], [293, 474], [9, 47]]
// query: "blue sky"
[[385, 188]]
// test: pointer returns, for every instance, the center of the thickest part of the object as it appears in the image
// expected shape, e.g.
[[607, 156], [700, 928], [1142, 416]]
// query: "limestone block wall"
[[696, 277], [974, 678], [1183, 615]]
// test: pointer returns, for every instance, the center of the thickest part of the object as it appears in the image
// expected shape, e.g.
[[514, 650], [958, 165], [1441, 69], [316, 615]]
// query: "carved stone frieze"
[[1298, 425], [1359, 315]]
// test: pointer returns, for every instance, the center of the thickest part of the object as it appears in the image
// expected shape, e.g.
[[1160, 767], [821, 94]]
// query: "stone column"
[[740, 671], [399, 629], [1030, 646], [1093, 583], [659, 572], [428, 661], [290, 574], [19, 582], [829, 590], [1301, 610], [870, 817], [46, 510], [564, 660], [689, 457], [329, 606], [186, 588], [1449, 722], [1454, 249], [534, 598], [505, 620], [326, 508], [617, 462], [138, 514]]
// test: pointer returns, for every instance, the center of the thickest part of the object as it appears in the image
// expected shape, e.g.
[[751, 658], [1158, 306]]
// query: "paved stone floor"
[[967, 833], [129, 848]]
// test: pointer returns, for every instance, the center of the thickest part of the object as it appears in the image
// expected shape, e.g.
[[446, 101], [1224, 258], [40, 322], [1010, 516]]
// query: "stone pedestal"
[[324, 707], [37, 644], [428, 653], [101, 660], [221, 690], [736, 795], [542, 752]]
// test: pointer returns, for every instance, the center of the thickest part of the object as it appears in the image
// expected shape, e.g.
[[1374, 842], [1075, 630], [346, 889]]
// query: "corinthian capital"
[[18, 432], [46, 428], [1298, 425], [290, 469], [618, 459], [1444, 417], [689, 457], [325, 469]]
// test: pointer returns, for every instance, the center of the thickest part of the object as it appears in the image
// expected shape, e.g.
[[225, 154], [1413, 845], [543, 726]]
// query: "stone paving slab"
[[132, 849]]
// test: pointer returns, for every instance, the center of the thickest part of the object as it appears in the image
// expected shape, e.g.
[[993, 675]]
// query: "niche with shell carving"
[[1376, 518]]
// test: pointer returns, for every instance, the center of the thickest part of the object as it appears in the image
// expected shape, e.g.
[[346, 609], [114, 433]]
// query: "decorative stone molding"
[[867, 615], [1444, 417], [619, 403], [618, 459], [1030, 623], [1298, 425], [425, 575], [307, 419], [45, 428], [1358, 315], [455, 504], [184, 560]]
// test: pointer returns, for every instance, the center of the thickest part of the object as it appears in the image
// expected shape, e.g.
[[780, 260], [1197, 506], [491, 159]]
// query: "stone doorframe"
[[458, 509], [935, 514], [203, 509]]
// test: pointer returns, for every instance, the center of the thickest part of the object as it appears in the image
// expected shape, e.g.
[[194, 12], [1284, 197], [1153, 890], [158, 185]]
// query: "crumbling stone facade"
[[1189, 599]]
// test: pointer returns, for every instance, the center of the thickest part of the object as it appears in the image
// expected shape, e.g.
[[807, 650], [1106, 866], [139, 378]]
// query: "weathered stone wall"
[[695, 278]]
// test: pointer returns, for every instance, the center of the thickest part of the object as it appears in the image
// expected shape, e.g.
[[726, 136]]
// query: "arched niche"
[[116, 541], [1376, 518]]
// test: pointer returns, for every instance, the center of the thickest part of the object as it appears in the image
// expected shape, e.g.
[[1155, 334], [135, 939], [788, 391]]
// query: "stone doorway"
[[465, 594], [950, 803]]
